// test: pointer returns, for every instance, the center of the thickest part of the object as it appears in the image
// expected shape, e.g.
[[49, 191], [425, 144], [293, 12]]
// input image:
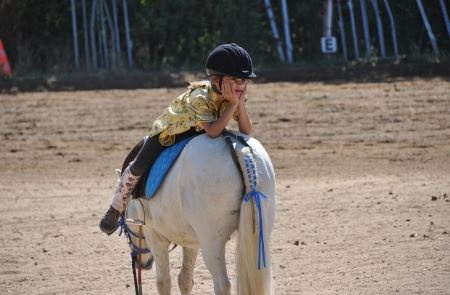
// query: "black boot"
[[110, 222]]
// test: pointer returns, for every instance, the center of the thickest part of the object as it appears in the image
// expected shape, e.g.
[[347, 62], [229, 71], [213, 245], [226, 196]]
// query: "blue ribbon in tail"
[[257, 196]]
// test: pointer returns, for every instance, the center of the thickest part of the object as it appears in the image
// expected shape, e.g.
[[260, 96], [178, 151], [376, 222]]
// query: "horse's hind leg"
[[186, 276], [214, 257]]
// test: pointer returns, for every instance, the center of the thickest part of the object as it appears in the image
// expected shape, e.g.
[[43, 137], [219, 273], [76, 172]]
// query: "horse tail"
[[254, 277]]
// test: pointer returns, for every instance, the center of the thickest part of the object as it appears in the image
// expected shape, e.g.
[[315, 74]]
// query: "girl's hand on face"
[[242, 95], [228, 91]]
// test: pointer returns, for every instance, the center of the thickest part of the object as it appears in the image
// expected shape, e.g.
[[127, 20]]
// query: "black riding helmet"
[[230, 60]]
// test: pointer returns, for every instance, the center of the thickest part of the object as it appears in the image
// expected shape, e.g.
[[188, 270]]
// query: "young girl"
[[207, 106]]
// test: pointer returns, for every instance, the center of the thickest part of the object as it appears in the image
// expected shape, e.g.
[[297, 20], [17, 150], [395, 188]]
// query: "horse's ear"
[[119, 173]]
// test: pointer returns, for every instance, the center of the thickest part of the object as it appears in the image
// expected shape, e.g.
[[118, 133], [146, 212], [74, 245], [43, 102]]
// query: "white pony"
[[199, 205]]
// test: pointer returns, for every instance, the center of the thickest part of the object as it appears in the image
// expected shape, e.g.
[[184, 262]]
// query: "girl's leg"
[[147, 155], [128, 181]]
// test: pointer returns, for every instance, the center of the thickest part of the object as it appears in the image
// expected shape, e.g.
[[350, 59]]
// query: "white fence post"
[[428, 27], [273, 26], [287, 32]]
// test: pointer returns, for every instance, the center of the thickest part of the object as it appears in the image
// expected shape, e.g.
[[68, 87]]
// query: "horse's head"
[[134, 220]]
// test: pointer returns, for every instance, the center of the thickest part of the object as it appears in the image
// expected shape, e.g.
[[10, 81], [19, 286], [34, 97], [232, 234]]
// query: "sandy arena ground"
[[363, 188]]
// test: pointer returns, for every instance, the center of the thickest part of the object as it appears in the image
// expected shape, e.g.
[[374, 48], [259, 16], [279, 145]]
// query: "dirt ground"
[[363, 187]]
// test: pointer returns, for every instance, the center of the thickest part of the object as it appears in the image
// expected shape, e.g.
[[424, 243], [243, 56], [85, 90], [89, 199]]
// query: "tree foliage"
[[180, 33]]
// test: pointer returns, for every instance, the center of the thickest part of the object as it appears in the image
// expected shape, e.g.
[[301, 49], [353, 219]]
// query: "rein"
[[136, 250], [128, 233]]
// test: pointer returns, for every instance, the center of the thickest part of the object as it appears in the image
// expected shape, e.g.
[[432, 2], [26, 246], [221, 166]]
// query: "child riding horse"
[[206, 107]]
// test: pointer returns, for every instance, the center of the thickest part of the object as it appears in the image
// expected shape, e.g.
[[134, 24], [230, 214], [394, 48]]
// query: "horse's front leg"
[[186, 276], [160, 250]]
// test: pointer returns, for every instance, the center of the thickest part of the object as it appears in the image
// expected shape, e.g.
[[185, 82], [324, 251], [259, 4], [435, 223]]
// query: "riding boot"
[[127, 182]]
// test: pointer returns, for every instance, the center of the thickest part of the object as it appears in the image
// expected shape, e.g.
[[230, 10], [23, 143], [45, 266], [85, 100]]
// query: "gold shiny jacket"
[[200, 103]]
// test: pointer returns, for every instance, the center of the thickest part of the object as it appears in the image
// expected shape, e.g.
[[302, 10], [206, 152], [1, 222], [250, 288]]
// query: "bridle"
[[137, 250]]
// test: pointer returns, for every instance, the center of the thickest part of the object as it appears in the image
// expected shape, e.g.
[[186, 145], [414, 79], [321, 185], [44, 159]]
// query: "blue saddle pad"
[[162, 166]]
